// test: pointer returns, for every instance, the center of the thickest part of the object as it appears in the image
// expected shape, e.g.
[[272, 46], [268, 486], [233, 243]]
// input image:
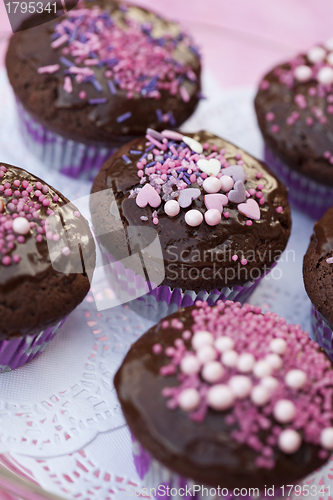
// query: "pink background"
[[239, 39]]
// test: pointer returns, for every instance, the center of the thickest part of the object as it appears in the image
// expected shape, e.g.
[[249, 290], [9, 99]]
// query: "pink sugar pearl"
[[206, 353], [229, 358], [21, 225], [326, 438], [201, 339], [190, 365], [189, 399], [212, 185], [296, 379], [224, 343], [246, 362], [226, 183], [172, 208], [220, 397], [260, 395], [213, 216], [289, 441], [284, 411], [262, 369], [193, 218], [212, 372], [241, 386]]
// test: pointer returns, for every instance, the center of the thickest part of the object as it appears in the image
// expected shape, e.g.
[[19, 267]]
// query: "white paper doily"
[[59, 415]]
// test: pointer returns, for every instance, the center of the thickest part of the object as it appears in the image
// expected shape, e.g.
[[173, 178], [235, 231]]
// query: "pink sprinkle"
[[59, 41], [68, 86], [249, 222], [16, 258], [270, 116], [82, 94], [56, 237], [46, 202], [6, 261], [279, 210], [157, 348], [16, 183], [165, 324], [155, 221], [252, 192], [260, 186], [259, 194], [234, 257], [243, 262], [275, 128], [262, 200], [52, 68], [66, 251], [55, 198], [226, 215], [77, 214], [39, 238], [8, 192], [259, 175], [184, 93]]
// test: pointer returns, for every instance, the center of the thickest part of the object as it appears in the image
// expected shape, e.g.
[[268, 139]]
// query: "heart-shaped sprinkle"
[[250, 209], [238, 194], [210, 167], [235, 171], [193, 144], [217, 201], [186, 196], [148, 195]]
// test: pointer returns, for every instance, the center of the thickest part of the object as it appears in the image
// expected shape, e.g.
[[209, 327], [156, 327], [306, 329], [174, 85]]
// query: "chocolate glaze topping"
[[203, 451], [200, 247], [66, 113]]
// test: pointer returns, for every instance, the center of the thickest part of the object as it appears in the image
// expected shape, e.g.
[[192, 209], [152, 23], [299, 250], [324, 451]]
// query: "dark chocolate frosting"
[[67, 113], [202, 247], [35, 292], [201, 450], [296, 120], [317, 273]]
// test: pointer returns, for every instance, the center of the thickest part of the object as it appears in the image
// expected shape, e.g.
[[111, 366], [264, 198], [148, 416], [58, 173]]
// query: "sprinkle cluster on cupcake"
[[173, 163], [273, 382], [25, 205]]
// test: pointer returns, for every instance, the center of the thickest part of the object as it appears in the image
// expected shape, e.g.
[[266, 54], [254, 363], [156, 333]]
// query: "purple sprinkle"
[[96, 84], [159, 115], [135, 152], [126, 159], [66, 62], [101, 100], [172, 119], [124, 117], [151, 164], [112, 87]]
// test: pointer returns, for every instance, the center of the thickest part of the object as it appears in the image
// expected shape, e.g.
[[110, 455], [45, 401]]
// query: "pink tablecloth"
[[240, 39]]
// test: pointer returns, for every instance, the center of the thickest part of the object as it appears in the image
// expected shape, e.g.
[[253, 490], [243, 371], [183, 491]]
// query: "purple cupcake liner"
[[306, 194], [162, 483], [156, 302], [322, 332], [69, 157], [18, 351]]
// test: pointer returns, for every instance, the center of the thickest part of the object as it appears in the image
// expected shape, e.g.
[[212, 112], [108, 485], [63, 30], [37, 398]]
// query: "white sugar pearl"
[[274, 361], [190, 365], [330, 58], [189, 399], [296, 379], [241, 386], [262, 369], [227, 183], [303, 73], [193, 144], [220, 397], [284, 411], [213, 217], [172, 208], [202, 338], [246, 362], [260, 395], [212, 372], [21, 225], [329, 44], [206, 353], [326, 438], [325, 75], [212, 185], [316, 54], [224, 343], [229, 358], [193, 218], [289, 441], [270, 383], [278, 345]]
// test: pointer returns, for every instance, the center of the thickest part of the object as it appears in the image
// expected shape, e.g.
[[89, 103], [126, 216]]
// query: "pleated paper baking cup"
[[156, 302], [72, 158], [321, 332], [306, 194], [18, 351]]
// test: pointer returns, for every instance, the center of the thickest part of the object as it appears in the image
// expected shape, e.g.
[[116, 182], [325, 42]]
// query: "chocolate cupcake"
[[98, 77], [221, 217], [238, 402], [47, 257], [294, 107], [318, 280]]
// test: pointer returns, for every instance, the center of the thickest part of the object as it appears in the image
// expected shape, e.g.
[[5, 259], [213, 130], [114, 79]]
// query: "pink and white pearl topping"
[[271, 381], [24, 211], [314, 101], [177, 170]]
